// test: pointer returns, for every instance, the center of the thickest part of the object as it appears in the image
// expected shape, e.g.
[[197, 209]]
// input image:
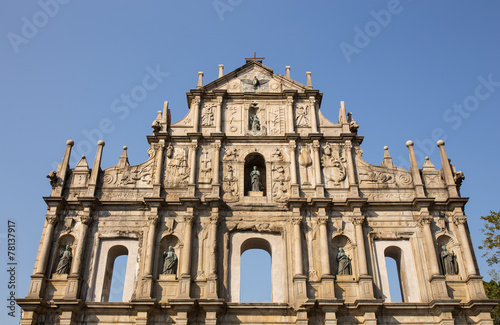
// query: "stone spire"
[[123, 162]]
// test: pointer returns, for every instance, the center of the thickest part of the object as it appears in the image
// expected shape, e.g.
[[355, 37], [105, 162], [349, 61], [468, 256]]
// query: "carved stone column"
[[299, 279], [358, 220], [218, 115], [320, 188], [212, 276], [195, 107], [216, 164], [38, 279], [73, 286], [147, 279], [289, 109], [159, 148], [314, 122], [293, 169], [193, 151], [365, 280], [459, 220], [52, 219], [474, 280], [185, 279], [353, 186], [327, 285], [438, 285]]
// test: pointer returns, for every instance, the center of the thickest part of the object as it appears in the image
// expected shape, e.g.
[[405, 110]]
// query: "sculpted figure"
[[255, 180], [169, 261], [254, 120], [64, 264], [302, 119], [344, 263], [207, 115], [449, 262]]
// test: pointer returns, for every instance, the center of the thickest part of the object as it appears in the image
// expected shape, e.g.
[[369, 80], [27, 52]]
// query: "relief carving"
[[280, 191], [177, 171], [207, 115], [230, 185], [305, 162], [205, 169], [333, 166], [302, 118]]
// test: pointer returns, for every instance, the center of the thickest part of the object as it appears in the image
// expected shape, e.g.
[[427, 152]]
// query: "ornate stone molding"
[[296, 220], [86, 219], [188, 220], [461, 219], [358, 220], [322, 220], [52, 219], [424, 219]]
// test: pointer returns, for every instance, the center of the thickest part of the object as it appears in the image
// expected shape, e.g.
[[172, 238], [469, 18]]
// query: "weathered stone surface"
[[327, 218]]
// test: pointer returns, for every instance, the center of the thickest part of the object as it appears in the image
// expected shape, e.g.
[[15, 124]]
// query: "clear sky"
[[408, 70]]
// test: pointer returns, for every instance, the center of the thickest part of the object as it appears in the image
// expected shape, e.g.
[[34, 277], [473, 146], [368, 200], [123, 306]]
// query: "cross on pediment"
[[255, 58]]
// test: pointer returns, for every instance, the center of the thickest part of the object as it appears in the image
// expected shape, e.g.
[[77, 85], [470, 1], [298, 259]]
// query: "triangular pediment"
[[254, 77]]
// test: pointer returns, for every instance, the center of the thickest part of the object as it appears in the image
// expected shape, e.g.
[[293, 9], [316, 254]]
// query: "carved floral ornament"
[[424, 220], [52, 219], [460, 219]]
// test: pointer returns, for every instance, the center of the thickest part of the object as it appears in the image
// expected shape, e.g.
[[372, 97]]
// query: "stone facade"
[[328, 218]]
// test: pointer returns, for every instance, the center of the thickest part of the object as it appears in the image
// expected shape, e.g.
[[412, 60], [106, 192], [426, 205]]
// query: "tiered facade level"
[[255, 164]]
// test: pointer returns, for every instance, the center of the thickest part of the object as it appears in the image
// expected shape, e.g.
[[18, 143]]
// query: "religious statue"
[[169, 261], [254, 121], [255, 180], [449, 262], [344, 263], [64, 264]]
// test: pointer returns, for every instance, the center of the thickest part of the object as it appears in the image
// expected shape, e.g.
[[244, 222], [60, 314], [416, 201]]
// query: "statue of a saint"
[[449, 262], [64, 264], [169, 261], [255, 180], [344, 263], [254, 120]]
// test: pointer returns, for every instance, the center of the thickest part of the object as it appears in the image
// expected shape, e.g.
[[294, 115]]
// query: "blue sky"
[[406, 69]]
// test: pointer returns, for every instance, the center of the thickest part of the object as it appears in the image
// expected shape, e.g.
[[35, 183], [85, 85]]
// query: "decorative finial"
[[221, 70], [287, 69], [200, 80]]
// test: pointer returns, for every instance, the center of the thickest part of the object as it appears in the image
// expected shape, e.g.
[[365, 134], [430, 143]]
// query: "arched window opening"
[[256, 284], [394, 280], [255, 160], [395, 274], [117, 281], [114, 276]]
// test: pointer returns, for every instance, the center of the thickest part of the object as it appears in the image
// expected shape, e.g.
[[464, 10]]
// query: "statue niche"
[[63, 256], [255, 175], [168, 257]]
